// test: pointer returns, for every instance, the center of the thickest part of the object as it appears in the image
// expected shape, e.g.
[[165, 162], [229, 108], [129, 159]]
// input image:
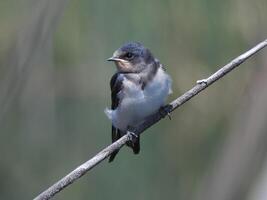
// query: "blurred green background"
[[54, 87]]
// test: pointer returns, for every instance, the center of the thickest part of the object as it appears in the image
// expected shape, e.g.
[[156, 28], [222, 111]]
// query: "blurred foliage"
[[42, 138]]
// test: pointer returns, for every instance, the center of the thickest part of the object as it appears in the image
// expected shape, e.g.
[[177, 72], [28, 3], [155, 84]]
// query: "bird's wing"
[[116, 85]]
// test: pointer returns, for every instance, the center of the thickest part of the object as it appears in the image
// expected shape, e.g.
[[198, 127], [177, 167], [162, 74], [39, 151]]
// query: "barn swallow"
[[139, 88]]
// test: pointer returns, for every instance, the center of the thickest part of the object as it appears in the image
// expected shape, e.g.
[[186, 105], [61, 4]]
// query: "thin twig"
[[201, 85]]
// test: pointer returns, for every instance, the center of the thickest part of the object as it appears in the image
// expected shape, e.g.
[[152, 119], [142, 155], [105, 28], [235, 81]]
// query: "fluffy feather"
[[136, 104]]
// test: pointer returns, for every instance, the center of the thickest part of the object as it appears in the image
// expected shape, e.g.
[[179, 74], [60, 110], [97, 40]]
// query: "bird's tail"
[[113, 155]]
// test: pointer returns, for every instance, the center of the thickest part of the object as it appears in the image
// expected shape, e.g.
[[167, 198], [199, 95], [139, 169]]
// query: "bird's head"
[[132, 57]]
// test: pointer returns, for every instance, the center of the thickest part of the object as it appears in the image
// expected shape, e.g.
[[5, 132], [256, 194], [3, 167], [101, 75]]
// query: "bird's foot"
[[133, 137], [205, 81], [165, 110]]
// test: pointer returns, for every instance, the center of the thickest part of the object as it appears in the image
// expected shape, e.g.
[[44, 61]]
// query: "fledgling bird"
[[139, 88]]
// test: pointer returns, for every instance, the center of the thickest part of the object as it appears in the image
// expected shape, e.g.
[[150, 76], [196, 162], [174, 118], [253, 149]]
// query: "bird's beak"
[[114, 59], [122, 65]]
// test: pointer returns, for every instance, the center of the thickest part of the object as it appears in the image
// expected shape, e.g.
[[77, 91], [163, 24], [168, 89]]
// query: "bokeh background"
[[54, 86]]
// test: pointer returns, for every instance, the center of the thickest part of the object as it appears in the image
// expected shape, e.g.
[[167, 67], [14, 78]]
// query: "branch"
[[151, 120], [237, 169]]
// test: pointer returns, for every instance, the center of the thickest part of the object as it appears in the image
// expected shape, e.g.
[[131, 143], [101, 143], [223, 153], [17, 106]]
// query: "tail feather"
[[136, 148], [113, 155], [136, 145]]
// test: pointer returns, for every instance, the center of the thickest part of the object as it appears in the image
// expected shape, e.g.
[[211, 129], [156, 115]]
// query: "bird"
[[139, 88]]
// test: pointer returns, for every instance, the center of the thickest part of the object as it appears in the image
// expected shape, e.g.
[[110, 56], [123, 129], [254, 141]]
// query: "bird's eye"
[[129, 55]]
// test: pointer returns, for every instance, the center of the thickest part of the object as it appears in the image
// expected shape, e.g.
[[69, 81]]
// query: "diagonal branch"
[[201, 85]]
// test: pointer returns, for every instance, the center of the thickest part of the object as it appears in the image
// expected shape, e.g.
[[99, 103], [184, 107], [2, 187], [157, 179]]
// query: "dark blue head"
[[132, 57]]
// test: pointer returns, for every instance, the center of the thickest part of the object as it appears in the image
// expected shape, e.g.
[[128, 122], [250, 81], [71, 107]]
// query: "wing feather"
[[115, 86]]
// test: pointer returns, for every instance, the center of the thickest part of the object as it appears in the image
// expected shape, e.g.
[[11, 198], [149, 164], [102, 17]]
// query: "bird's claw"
[[132, 136], [205, 81], [169, 116], [164, 111]]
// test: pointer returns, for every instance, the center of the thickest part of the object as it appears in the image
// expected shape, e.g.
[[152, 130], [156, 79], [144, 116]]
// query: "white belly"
[[137, 104]]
